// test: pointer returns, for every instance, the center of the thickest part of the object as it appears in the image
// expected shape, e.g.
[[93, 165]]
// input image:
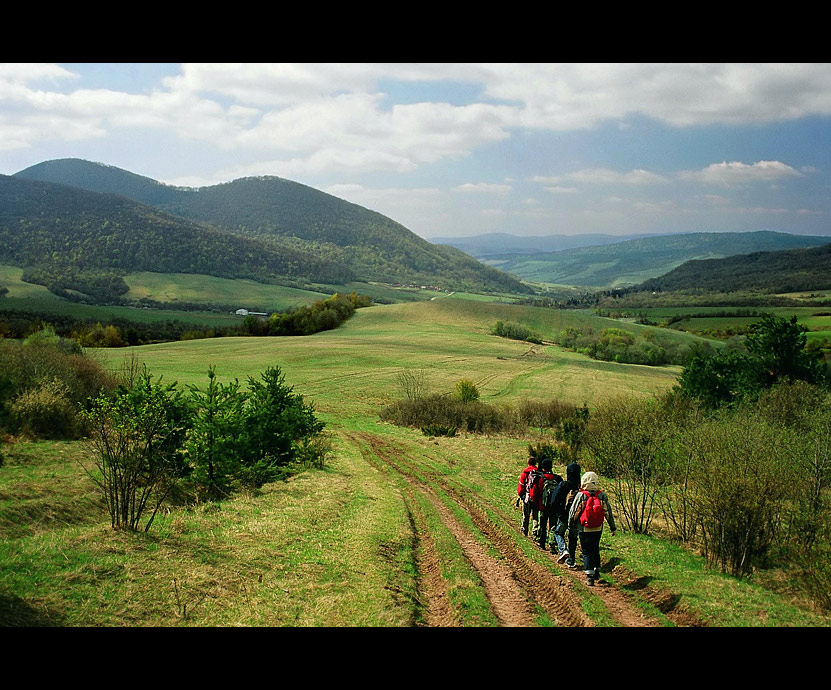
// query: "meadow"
[[398, 529]]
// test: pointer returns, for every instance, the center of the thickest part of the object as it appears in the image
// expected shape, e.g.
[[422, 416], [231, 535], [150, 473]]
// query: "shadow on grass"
[[16, 613]]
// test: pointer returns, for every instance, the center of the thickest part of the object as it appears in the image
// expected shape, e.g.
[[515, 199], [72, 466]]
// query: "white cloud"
[[736, 173], [483, 187], [603, 176]]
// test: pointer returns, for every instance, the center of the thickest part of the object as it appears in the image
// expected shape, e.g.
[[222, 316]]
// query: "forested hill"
[[790, 270], [54, 230], [291, 215], [632, 261]]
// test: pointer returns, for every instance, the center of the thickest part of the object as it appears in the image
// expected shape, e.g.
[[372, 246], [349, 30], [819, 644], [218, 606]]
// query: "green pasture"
[[351, 372], [202, 289], [333, 546]]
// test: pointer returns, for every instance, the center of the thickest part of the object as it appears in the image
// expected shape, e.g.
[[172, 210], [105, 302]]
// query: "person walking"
[[527, 480], [563, 499], [550, 481], [590, 508]]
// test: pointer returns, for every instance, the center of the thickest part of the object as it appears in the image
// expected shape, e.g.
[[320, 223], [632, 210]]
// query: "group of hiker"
[[574, 505]]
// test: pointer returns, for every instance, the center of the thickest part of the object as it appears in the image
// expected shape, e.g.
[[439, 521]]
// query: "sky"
[[458, 149]]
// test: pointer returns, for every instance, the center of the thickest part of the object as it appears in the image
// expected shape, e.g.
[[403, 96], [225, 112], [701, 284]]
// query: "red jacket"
[[536, 490], [520, 489]]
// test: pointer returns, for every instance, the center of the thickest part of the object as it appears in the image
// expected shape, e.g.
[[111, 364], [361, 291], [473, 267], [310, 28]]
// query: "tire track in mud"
[[508, 602], [433, 595], [556, 590], [514, 584]]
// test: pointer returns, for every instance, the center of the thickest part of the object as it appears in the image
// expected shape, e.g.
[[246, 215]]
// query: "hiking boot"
[[573, 566], [563, 557]]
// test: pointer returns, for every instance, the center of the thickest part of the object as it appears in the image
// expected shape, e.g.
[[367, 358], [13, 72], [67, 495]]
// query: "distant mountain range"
[[631, 261], [72, 215], [503, 245]]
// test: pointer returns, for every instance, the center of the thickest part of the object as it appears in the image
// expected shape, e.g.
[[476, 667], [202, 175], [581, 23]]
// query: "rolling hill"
[[72, 239], [630, 262], [789, 270], [295, 219]]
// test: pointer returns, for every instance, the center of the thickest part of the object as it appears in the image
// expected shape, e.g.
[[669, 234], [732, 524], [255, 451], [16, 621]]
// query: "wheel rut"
[[518, 586]]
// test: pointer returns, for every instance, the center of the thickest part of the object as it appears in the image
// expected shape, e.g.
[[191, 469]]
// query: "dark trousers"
[[547, 520], [590, 546]]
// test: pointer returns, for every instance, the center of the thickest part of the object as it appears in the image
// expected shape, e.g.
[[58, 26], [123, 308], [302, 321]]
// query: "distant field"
[[247, 294], [351, 372], [816, 319], [26, 297]]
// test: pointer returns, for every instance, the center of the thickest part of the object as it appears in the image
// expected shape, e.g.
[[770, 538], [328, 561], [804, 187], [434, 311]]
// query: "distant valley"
[[620, 262]]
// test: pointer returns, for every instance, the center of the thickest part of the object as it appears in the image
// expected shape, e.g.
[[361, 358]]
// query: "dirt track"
[[517, 586]]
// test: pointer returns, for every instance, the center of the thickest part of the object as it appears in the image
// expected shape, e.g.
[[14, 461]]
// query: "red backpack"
[[593, 513]]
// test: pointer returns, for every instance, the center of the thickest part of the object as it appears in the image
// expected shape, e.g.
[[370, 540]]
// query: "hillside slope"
[[57, 231], [632, 261], [789, 270], [295, 217]]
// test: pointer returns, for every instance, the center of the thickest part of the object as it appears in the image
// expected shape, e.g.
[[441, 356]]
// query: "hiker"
[[562, 500], [590, 508], [528, 479], [550, 482]]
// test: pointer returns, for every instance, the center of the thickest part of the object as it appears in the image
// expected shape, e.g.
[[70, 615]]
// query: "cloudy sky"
[[458, 149]]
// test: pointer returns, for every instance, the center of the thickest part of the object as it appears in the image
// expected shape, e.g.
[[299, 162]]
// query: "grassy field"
[[393, 515]]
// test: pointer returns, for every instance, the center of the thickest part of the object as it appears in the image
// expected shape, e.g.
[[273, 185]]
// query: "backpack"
[[593, 513], [549, 491], [530, 480]]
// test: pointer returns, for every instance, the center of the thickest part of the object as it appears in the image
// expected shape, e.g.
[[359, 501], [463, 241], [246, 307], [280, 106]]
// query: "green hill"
[[631, 262], [72, 239], [789, 270], [294, 217]]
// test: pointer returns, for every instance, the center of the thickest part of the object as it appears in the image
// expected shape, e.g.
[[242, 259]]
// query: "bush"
[[544, 414], [624, 440], [137, 436], [45, 411], [466, 391], [449, 411], [47, 376]]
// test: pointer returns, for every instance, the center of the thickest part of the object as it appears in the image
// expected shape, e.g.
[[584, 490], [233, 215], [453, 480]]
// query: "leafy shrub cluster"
[[305, 320], [515, 331], [748, 485], [774, 350], [44, 381], [462, 410], [625, 347], [149, 437], [325, 314]]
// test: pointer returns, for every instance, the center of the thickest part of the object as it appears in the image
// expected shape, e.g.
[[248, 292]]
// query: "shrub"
[[466, 391], [137, 436], [450, 411], [214, 443], [413, 383], [45, 411], [624, 440], [47, 374], [544, 414], [276, 422], [438, 430]]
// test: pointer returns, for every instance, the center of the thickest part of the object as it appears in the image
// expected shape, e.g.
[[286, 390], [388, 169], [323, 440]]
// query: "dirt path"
[[517, 586]]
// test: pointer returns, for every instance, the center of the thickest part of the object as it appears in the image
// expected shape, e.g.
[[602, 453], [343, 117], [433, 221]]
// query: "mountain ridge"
[[292, 216]]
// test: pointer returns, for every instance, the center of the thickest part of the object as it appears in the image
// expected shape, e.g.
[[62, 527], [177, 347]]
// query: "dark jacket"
[[571, 484]]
